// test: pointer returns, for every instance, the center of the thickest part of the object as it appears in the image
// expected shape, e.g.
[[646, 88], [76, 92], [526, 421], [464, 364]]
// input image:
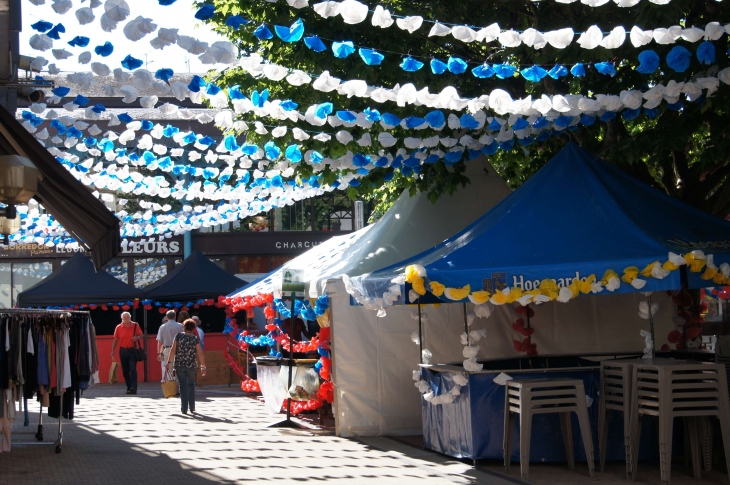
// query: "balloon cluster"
[[525, 345], [247, 384], [246, 303]]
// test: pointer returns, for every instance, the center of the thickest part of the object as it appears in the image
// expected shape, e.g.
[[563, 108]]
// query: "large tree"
[[683, 152]]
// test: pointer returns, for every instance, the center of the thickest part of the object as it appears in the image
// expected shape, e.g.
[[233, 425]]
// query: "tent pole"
[[145, 345], [651, 330], [420, 332]]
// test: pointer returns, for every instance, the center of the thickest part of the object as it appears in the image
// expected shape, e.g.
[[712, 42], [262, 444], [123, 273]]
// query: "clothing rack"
[[41, 313]]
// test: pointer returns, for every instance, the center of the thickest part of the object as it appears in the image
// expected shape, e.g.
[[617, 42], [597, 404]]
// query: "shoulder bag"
[[140, 354]]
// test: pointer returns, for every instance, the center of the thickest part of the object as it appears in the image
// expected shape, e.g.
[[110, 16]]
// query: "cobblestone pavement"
[[144, 439]]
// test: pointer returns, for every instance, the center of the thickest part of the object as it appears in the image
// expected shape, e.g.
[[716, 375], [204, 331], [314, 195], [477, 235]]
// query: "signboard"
[[152, 246], [292, 281]]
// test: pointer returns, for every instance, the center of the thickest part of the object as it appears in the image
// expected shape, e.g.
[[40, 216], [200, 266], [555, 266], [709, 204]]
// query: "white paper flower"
[[591, 38], [464, 34], [61, 54], [328, 9], [382, 18], [509, 38], [107, 24], [40, 42], [192, 45], [489, 34], [352, 11], [84, 57], [298, 78], [615, 39], [85, 15], [640, 37], [165, 37], [116, 10]]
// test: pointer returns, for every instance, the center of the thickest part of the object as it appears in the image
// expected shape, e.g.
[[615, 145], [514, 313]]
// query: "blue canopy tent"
[[578, 216], [577, 221]]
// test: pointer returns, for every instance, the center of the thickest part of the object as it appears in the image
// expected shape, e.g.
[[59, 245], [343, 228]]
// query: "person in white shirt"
[[201, 334], [165, 339]]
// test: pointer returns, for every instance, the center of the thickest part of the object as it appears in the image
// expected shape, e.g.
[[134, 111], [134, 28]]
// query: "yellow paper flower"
[[457, 293], [549, 288], [514, 295], [585, 286], [479, 297], [436, 305], [574, 287], [695, 261], [646, 272], [419, 286], [437, 288], [719, 279], [709, 273], [607, 276], [630, 274], [500, 297], [674, 262], [412, 272]]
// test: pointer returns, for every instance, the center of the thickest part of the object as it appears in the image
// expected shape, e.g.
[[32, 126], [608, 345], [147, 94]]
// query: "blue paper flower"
[[391, 119], [468, 121], [205, 12], [587, 120], [648, 62], [131, 63], [147, 125], [578, 70], [371, 57], [534, 74], [55, 31], [372, 115], [105, 50], [354, 183], [272, 151], [453, 157], [81, 100], [293, 154], [605, 68], [262, 32], [543, 136], [540, 123], [520, 124], [125, 118], [483, 72], [236, 21], [165, 3], [490, 149], [61, 91], [630, 114], [381, 162], [290, 34], [706, 53], [438, 67], [315, 43], [504, 71], [196, 83], [347, 116], [456, 65], [435, 119], [412, 122], [41, 26], [288, 105], [558, 71], [343, 49], [607, 116], [323, 110], [212, 89], [410, 64], [679, 58], [98, 109], [234, 92], [651, 112], [164, 75], [360, 160], [494, 125], [316, 157], [79, 41]]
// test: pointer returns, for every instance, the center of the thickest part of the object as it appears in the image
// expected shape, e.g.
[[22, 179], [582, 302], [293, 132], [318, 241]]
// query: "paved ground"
[[143, 439]]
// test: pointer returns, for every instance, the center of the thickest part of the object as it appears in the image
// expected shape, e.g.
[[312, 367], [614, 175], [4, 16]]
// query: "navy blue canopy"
[[78, 283], [577, 216], [196, 278]]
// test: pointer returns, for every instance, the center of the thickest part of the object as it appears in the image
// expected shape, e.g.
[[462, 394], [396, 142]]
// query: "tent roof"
[[77, 283], [196, 278], [82, 215], [577, 215], [411, 225]]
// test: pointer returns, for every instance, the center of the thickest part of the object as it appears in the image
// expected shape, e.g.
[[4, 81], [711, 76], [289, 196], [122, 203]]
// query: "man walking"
[[125, 335], [165, 339]]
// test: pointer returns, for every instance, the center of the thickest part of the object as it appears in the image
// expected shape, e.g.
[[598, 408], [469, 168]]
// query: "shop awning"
[[578, 216], [78, 283], [410, 226], [81, 214], [196, 278]]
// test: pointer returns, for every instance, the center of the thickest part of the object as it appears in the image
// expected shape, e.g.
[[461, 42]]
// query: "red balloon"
[[115, 308], [674, 336], [692, 332]]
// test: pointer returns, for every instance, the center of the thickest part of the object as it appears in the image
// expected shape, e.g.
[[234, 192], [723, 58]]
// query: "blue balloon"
[[322, 110], [438, 67], [79, 41], [648, 62], [343, 49], [58, 29], [293, 33], [205, 12], [534, 74], [578, 70], [164, 74], [347, 116], [706, 53], [504, 71], [262, 32], [41, 26], [131, 63], [105, 50], [679, 58], [558, 71], [410, 64], [236, 21], [456, 65], [605, 68], [371, 57], [315, 43], [435, 119], [483, 72]]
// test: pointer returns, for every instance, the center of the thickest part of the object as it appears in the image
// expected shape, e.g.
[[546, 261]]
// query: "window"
[[118, 268], [148, 270], [26, 275], [253, 264]]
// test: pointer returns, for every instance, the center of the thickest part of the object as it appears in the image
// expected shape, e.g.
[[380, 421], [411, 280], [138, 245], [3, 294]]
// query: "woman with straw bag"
[[184, 351]]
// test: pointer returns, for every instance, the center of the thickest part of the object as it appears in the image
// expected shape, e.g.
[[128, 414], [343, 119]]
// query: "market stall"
[[578, 227]]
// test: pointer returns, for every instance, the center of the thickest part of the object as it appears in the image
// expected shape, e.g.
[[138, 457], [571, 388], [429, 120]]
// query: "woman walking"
[[184, 351]]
